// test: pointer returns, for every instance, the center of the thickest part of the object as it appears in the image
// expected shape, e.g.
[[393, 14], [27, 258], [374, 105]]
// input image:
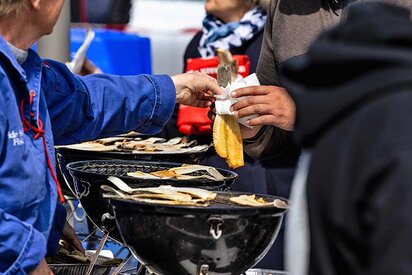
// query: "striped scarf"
[[218, 35]]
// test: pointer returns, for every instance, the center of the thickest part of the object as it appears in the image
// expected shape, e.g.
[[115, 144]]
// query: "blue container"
[[115, 52]]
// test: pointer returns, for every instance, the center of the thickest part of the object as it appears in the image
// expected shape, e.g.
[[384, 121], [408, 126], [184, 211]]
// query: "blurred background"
[[170, 24], [132, 36]]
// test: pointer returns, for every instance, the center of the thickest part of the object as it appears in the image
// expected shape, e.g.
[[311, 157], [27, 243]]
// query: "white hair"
[[8, 7]]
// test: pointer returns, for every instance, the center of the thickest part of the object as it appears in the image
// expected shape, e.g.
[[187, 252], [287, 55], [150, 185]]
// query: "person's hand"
[[70, 237], [244, 131], [272, 104], [196, 89], [89, 68], [42, 269]]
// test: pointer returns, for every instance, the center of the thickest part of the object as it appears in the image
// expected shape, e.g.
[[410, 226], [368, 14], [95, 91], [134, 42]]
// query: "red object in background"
[[192, 120], [84, 17], [118, 27]]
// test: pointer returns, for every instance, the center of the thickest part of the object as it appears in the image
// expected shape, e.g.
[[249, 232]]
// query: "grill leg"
[[117, 270], [141, 270], [94, 257]]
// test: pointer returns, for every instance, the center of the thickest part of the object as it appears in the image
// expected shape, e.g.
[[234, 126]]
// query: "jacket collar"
[[6, 52]]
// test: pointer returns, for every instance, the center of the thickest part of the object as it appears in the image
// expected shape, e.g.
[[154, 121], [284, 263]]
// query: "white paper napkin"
[[76, 64], [223, 102]]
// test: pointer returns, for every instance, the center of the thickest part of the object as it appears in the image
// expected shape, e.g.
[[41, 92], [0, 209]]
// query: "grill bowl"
[[66, 155], [177, 240], [100, 268], [88, 176], [265, 272], [76, 269]]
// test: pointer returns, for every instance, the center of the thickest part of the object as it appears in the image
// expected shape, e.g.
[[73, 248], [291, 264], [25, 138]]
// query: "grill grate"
[[265, 272], [121, 169]]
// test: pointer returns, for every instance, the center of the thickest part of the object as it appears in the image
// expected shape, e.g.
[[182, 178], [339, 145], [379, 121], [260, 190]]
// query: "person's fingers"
[[260, 109], [90, 68], [249, 101], [202, 104], [210, 85], [199, 103], [205, 96], [69, 235], [261, 120], [77, 244], [211, 115], [250, 91], [212, 78], [281, 122]]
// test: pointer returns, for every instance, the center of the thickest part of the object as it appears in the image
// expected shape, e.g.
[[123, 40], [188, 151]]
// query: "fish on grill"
[[140, 145], [181, 173], [251, 200], [164, 194]]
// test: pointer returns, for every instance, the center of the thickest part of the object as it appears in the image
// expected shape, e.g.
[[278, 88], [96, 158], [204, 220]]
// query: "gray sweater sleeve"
[[267, 71], [289, 29], [270, 141]]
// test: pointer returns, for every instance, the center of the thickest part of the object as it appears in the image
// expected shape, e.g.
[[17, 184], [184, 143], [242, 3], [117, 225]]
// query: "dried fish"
[[164, 174], [121, 184], [280, 204], [188, 168], [249, 200], [91, 146], [141, 175], [110, 191], [173, 141], [107, 141], [139, 145], [181, 173], [164, 194], [172, 202], [202, 194], [164, 191]]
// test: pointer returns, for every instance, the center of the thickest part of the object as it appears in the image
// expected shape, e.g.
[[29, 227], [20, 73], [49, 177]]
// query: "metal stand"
[[122, 264], [141, 270], [96, 255]]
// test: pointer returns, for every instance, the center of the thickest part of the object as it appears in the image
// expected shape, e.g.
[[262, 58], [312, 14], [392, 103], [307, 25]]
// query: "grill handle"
[[215, 223]]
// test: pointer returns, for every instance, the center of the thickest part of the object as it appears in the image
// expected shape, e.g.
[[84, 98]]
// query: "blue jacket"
[[70, 109]]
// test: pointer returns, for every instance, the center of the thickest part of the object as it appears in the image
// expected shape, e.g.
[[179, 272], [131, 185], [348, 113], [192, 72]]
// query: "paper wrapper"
[[225, 101]]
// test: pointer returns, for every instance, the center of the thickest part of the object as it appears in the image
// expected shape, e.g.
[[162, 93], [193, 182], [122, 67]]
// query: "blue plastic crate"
[[115, 52]]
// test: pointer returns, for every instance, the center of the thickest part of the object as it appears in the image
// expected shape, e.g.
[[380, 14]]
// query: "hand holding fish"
[[195, 89]]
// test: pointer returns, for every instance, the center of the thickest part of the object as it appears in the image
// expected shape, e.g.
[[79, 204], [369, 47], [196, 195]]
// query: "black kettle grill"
[[222, 238], [88, 176]]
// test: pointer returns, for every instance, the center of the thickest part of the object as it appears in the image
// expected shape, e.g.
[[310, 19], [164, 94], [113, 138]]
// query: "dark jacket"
[[353, 92], [253, 177], [291, 26]]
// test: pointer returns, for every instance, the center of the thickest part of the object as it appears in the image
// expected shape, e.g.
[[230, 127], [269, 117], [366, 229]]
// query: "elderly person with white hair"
[[41, 104]]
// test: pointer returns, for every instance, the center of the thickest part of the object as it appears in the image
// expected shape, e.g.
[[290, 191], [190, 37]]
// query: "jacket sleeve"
[[387, 217], [85, 108], [271, 141], [22, 247]]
